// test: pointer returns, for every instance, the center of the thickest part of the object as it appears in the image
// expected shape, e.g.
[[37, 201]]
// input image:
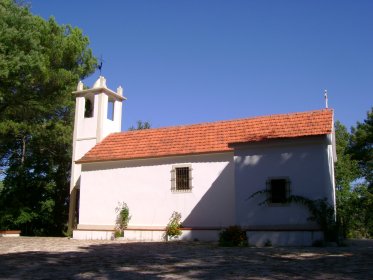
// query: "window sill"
[[182, 191]]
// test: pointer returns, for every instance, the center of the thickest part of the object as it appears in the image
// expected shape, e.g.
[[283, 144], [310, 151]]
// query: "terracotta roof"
[[208, 137]]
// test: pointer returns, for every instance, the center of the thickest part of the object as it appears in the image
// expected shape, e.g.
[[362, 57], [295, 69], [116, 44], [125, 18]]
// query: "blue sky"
[[184, 62]]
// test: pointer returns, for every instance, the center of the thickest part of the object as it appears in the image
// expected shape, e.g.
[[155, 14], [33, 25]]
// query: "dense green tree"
[[140, 125], [361, 147], [361, 203], [40, 65], [346, 172], [352, 174], [346, 169]]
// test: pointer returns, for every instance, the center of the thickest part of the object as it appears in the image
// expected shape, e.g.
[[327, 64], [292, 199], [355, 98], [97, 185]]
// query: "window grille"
[[278, 190], [181, 178]]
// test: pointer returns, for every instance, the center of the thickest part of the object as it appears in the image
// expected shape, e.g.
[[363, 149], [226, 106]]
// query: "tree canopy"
[[346, 172], [347, 169], [40, 65], [361, 147], [140, 125], [353, 174]]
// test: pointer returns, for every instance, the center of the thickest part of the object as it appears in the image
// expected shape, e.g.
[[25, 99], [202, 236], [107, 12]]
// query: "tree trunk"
[[23, 149]]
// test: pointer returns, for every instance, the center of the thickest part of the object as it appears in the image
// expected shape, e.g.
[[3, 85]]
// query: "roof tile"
[[208, 137]]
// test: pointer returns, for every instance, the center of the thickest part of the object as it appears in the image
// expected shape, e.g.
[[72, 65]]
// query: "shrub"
[[117, 234], [174, 225], [123, 216], [68, 233], [318, 243], [268, 243], [233, 236]]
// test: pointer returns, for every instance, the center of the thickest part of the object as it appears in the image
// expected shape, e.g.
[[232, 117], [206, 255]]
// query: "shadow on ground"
[[175, 260]]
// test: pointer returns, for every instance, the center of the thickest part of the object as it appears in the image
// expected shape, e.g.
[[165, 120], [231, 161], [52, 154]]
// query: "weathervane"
[[326, 98], [99, 66]]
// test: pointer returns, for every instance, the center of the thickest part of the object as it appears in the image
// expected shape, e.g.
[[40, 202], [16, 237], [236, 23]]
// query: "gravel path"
[[62, 258]]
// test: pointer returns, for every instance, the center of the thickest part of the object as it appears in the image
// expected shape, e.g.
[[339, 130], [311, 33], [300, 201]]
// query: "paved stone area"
[[62, 258]]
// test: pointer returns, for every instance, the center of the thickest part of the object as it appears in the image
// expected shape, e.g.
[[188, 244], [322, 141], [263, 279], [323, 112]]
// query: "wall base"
[[283, 238], [258, 238], [10, 233], [160, 235], [93, 234], [146, 234]]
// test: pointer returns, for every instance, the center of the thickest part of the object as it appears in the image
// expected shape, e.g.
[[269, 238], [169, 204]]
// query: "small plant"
[[174, 225], [318, 243], [68, 233], [123, 217], [233, 236], [117, 234], [268, 243]]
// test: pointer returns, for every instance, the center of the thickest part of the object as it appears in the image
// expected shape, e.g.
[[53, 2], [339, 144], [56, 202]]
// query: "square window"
[[181, 178], [278, 190]]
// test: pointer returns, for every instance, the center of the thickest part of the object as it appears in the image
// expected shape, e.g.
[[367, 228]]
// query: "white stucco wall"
[[332, 159], [89, 131], [86, 127], [84, 137], [145, 185], [114, 125], [306, 162]]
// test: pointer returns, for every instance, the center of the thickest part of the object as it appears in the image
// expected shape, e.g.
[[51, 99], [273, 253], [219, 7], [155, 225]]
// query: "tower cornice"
[[98, 90]]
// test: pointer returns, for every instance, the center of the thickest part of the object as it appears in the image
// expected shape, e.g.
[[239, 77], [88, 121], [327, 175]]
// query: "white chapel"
[[205, 171]]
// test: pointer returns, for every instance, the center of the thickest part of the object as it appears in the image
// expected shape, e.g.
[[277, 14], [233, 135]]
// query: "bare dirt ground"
[[62, 258]]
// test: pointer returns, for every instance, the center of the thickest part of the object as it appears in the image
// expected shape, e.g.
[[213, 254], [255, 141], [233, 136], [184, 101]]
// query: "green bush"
[[118, 234], [123, 216], [318, 243], [174, 225], [233, 236], [268, 243]]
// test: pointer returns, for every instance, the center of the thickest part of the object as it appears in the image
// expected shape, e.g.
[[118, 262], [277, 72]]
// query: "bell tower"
[[98, 112]]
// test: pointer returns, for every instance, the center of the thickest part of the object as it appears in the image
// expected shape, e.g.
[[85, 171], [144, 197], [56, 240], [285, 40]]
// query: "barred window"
[[181, 178], [278, 190]]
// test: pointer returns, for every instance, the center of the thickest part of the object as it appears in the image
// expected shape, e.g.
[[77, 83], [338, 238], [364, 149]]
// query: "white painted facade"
[[304, 161], [307, 163], [145, 185], [221, 185]]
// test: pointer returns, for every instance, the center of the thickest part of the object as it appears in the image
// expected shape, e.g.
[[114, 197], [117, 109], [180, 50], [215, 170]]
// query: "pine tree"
[[40, 65]]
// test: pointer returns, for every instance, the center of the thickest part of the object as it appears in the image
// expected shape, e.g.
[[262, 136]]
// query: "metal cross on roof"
[[99, 66], [326, 98]]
